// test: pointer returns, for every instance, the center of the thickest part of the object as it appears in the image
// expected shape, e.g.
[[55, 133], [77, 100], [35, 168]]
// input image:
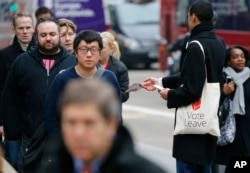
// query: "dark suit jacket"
[[121, 159]]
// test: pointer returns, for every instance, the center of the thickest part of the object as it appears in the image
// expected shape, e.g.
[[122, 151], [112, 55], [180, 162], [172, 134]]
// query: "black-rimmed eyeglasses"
[[85, 50]]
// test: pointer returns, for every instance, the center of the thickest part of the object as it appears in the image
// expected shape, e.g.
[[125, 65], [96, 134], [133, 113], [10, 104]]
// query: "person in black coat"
[[109, 59], [235, 67], [194, 153], [27, 83], [92, 136], [23, 40]]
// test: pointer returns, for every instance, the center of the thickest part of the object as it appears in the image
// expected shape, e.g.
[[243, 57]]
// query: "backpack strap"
[[99, 73]]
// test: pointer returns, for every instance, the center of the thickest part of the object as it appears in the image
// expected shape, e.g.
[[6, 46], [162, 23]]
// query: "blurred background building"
[[145, 29]]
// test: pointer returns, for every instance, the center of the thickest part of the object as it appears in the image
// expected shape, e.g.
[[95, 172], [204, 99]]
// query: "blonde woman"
[[109, 59]]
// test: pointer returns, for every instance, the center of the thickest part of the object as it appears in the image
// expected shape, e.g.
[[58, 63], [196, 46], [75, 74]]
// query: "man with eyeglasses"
[[87, 47]]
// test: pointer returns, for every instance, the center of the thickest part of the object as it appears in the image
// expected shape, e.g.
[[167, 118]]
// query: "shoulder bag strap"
[[202, 49]]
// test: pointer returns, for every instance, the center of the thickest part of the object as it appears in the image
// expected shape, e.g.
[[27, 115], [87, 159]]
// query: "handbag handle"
[[200, 45]]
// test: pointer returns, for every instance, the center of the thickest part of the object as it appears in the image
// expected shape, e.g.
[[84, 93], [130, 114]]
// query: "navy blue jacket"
[[51, 112], [25, 90]]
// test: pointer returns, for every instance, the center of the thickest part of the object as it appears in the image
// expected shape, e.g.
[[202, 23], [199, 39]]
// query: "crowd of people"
[[62, 93]]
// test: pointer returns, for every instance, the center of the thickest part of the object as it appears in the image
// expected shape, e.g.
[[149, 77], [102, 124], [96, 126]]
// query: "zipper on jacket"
[[48, 77]]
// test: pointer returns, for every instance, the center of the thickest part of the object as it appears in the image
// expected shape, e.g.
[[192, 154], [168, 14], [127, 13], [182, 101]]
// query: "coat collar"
[[17, 47], [204, 29], [122, 147]]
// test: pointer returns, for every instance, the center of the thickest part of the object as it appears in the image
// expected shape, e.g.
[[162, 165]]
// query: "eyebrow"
[[47, 32]]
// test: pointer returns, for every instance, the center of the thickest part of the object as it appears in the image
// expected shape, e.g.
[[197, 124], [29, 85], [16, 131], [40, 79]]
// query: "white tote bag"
[[200, 117]]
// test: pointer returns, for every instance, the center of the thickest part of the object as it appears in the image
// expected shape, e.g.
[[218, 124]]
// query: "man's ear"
[[195, 19]]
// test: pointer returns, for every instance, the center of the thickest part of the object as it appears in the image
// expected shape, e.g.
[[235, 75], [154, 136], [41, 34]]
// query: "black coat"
[[199, 149], [241, 143], [121, 72], [25, 90], [122, 158], [7, 57]]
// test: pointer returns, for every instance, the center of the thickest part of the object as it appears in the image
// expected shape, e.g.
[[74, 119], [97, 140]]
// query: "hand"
[[164, 93], [228, 88], [1, 130], [149, 83]]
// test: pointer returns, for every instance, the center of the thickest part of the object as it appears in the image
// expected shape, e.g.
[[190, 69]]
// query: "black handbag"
[[223, 111], [227, 123]]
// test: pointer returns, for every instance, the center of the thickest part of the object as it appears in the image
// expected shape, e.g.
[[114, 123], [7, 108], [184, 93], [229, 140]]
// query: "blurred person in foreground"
[[43, 12], [238, 89], [94, 140], [23, 28], [25, 89], [109, 59], [194, 153], [67, 34]]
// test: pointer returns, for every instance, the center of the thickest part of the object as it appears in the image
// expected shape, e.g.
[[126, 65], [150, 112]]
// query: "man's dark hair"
[[88, 36], [20, 14], [96, 91], [43, 10], [203, 10], [229, 53], [47, 20]]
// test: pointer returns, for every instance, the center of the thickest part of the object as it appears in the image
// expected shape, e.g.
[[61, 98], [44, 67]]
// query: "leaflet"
[[134, 87]]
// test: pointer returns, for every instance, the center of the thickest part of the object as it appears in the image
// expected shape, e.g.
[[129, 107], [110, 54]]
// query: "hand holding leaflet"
[[134, 87]]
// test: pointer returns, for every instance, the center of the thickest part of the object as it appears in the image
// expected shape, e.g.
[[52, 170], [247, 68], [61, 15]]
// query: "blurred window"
[[232, 14], [130, 14]]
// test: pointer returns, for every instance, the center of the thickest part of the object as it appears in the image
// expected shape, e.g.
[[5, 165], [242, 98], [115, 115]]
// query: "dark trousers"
[[12, 152], [184, 167]]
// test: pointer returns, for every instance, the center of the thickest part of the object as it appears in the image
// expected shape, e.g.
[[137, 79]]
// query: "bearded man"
[[27, 84]]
